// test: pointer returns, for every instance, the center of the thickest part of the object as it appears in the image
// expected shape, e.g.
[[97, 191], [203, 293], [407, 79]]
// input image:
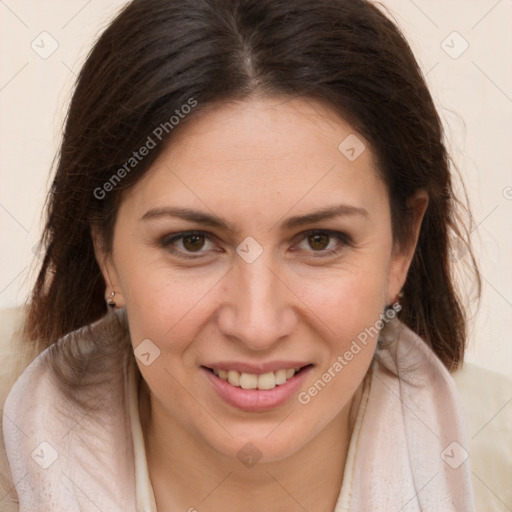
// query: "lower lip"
[[255, 400]]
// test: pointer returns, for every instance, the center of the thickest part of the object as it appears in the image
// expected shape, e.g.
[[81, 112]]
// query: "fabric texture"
[[409, 449], [83, 450]]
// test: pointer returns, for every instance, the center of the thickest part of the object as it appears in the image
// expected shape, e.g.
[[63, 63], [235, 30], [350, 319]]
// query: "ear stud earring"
[[110, 300]]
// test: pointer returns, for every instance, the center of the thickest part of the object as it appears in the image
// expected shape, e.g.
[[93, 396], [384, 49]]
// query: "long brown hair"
[[156, 55]]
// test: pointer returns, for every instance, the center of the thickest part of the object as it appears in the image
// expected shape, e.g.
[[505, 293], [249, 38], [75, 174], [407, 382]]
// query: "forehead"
[[263, 154], [266, 129]]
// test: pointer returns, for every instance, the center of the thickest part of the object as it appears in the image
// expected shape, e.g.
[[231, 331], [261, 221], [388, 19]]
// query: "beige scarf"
[[407, 451]]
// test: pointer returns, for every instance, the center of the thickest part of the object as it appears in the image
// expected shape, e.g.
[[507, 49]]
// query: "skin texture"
[[253, 163]]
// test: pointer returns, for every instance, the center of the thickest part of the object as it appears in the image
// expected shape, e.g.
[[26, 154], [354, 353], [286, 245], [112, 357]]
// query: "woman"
[[259, 194]]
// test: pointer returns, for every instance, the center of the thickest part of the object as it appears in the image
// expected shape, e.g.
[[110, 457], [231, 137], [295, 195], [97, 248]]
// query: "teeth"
[[267, 381], [234, 378], [280, 377], [248, 381], [251, 381]]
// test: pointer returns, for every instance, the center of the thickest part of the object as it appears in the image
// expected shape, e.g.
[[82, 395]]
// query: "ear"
[[108, 271], [402, 255]]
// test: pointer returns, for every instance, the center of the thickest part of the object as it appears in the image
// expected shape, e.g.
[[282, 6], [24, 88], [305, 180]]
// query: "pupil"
[[194, 245]]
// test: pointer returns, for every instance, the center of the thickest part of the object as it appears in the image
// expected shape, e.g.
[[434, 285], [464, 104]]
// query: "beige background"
[[472, 88]]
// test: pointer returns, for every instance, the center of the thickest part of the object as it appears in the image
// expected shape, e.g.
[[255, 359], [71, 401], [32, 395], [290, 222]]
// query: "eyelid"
[[330, 232]]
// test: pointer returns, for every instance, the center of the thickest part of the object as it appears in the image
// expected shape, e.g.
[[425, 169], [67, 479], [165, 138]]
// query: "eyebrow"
[[207, 219]]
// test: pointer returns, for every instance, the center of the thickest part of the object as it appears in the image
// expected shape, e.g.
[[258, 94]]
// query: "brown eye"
[[318, 241], [324, 243], [193, 243]]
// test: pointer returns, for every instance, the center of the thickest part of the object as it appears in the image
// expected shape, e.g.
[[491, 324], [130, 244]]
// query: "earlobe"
[[403, 254], [113, 296]]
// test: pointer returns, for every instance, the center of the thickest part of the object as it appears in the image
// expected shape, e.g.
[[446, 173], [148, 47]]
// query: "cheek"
[[165, 304], [346, 300], [347, 311], [169, 308], [348, 315]]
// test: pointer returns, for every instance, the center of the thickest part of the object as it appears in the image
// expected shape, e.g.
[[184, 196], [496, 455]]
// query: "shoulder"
[[43, 396], [486, 398], [13, 360], [82, 371], [25, 371]]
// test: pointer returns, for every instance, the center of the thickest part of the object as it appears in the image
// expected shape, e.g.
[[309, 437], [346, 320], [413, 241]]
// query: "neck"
[[188, 475]]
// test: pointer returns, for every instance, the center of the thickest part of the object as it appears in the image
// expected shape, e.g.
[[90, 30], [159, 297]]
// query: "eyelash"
[[343, 238]]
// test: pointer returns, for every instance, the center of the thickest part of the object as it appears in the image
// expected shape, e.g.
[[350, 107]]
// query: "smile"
[[256, 392], [264, 381]]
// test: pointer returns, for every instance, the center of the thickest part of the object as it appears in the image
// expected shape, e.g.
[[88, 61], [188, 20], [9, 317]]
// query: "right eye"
[[191, 243]]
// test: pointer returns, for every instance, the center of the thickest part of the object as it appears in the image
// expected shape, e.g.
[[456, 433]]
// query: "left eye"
[[320, 241]]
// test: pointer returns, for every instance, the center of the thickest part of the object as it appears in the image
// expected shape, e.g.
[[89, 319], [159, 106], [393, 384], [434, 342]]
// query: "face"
[[226, 267]]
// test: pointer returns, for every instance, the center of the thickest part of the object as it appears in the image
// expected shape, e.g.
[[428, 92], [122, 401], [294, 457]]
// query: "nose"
[[258, 311]]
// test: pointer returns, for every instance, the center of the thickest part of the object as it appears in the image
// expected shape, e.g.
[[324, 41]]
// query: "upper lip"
[[256, 369]]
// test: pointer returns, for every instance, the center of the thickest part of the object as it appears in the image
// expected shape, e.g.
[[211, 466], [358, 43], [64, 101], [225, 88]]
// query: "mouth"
[[263, 381], [256, 392]]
